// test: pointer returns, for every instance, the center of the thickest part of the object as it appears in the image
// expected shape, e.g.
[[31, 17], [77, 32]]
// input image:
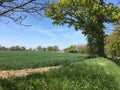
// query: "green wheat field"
[[77, 72]]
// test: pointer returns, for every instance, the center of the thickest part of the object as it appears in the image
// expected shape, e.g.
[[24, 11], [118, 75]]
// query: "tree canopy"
[[88, 16]]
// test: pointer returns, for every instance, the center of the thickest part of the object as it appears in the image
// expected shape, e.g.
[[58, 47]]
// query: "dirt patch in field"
[[24, 72]]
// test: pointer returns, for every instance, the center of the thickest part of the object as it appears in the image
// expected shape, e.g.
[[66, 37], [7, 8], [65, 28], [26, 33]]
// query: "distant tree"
[[112, 42], [53, 48], [44, 49], [17, 48], [17, 10], [50, 48], [86, 15], [56, 48], [71, 49], [14, 48], [66, 50], [30, 49], [82, 49], [39, 48], [3, 48], [77, 49], [23, 48]]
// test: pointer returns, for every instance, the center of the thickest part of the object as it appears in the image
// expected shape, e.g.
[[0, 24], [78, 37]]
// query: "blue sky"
[[41, 33]]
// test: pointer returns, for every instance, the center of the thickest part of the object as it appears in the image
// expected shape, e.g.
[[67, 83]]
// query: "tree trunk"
[[100, 44], [96, 42], [92, 45]]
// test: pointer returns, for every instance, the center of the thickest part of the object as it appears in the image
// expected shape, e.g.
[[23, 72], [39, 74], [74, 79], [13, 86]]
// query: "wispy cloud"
[[49, 32], [39, 34]]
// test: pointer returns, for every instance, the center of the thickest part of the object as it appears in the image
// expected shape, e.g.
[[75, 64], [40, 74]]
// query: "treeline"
[[49, 48], [38, 48], [13, 48], [77, 49]]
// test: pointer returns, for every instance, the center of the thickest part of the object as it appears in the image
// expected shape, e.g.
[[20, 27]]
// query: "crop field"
[[33, 59], [77, 72]]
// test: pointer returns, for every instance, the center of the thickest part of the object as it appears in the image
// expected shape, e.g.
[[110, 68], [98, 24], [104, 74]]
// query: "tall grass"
[[34, 59], [92, 74]]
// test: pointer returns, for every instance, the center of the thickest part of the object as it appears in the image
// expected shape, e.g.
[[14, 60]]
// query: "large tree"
[[86, 15], [18, 10]]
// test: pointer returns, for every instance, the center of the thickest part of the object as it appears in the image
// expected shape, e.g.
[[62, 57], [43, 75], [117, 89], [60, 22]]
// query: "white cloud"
[[49, 32], [41, 35]]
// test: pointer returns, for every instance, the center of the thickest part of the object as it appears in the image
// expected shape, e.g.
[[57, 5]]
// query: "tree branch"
[[17, 10], [16, 7]]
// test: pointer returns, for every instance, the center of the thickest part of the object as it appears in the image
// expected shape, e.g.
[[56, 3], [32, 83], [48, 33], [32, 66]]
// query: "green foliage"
[[92, 45], [3, 48], [53, 48], [71, 49], [56, 48], [83, 48], [34, 59], [93, 74], [49, 48], [77, 49], [113, 43], [85, 15], [17, 48]]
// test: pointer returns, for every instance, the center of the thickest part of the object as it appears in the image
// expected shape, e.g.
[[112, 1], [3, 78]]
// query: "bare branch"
[[12, 9]]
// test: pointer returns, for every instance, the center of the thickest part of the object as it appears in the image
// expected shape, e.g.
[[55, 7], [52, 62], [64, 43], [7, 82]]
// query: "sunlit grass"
[[91, 74]]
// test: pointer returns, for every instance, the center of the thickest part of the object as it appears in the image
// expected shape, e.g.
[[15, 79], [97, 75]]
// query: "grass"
[[92, 74], [33, 59]]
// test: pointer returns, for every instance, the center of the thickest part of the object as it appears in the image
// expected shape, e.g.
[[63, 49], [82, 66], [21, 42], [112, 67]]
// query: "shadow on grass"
[[115, 60]]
